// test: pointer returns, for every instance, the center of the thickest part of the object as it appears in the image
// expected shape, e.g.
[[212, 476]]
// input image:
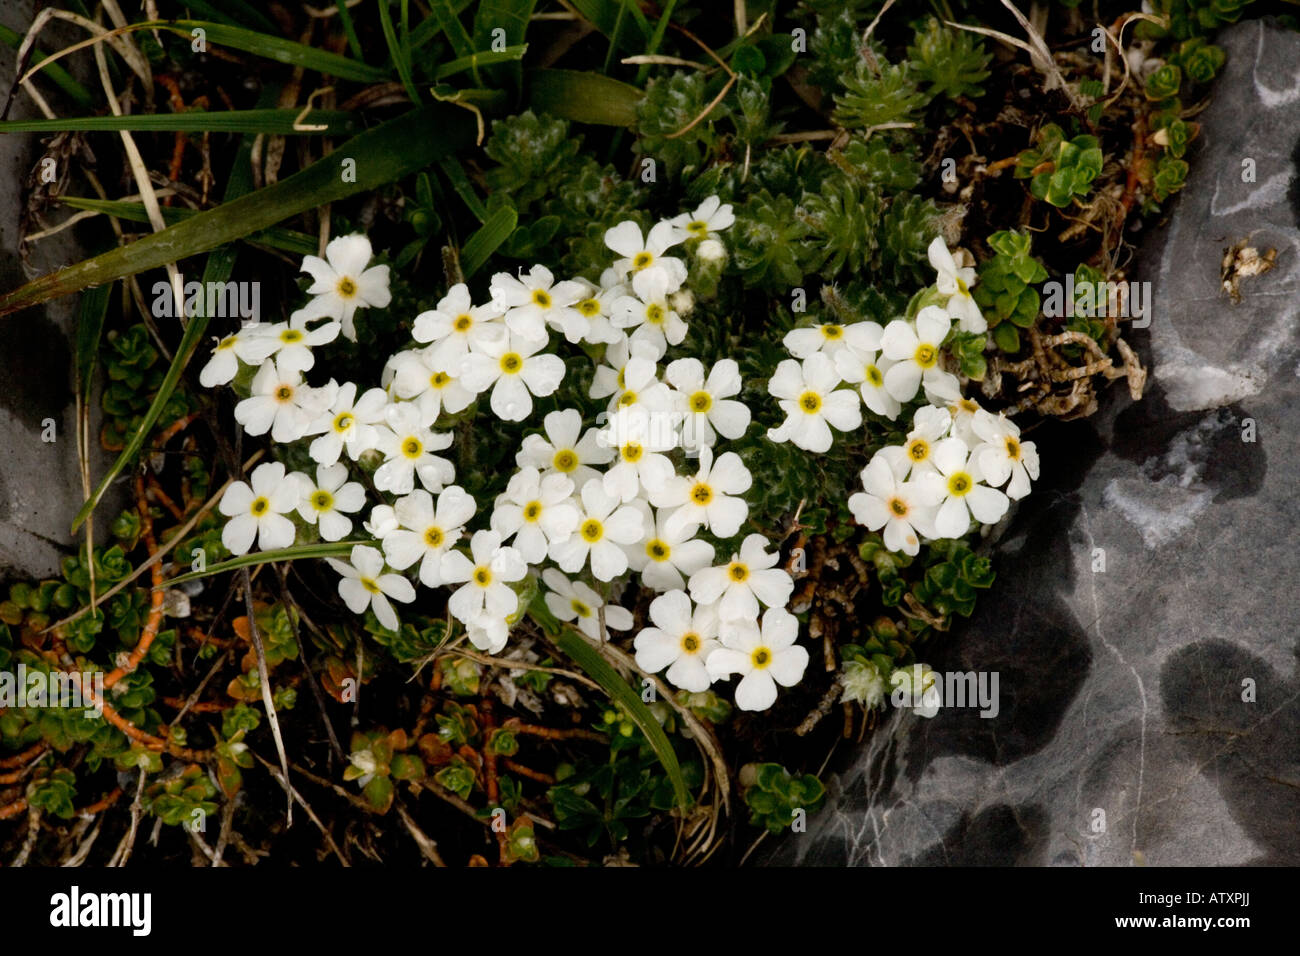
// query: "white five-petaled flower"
[[343, 283], [595, 307], [365, 585], [561, 450], [329, 500], [764, 657], [706, 404], [537, 511], [649, 315], [680, 640], [292, 341], [638, 437], [629, 375], [247, 346], [348, 422], [914, 351], [418, 377], [831, 338], [456, 326], [708, 219], [281, 404], [534, 300], [603, 525], [711, 497], [420, 530], [487, 576], [808, 395], [653, 274], [905, 509], [259, 511], [748, 578], [867, 371], [408, 446], [665, 554], [962, 491], [955, 283], [1002, 455], [915, 457], [513, 369], [575, 601]]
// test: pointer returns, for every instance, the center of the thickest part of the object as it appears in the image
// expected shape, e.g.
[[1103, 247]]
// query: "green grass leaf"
[[598, 669], [448, 17], [382, 155], [280, 122], [475, 60], [507, 19], [486, 239], [400, 57], [322, 549], [275, 48], [604, 16], [90, 326], [584, 97]]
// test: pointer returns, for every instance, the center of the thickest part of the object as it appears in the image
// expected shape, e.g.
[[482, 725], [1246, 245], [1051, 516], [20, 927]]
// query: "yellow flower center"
[[482, 575], [832, 332], [434, 536], [698, 228], [565, 460], [343, 421], [463, 323], [579, 608], [959, 484], [370, 585], [1013, 448], [439, 380], [654, 314], [701, 402], [810, 402], [589, 307], [632, 451], [592, 530], [657, 549], [690, 642], [228, 342], [962, 288], [260, 506], [532, 511], [918, 449], [626, 399], [284, 393], [322, 500], [347, 288], [701, 493], [898, 506], [412, 447], [926, 355], [874, 376], [511, 363], [737, 572], [641, 260], [542, 298], [289, 336], [760, 657]]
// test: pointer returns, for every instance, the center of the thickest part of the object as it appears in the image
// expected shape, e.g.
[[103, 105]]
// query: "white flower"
[[1002, 454], [963, 494], [867, 371], [710, 217], [707, 404], [419, 530], [638, 436], [329, 500], [487, 632], [281, 404], [408, 446], [681, 640], [487, 578], [348, 422], [629, 376], [456, 326], [259, 511], [293, 341], [830, 338], [602, 526], [963, 411], [763, 657], [915, 351], [562, 451], [418, 377], [343, 284], [511, 367], [915, 456], [905, 509], [664, 554], [811, 402], [653, 274], [245, 346], [365, 585], [537, 511], [536, 300], [956, 284], [575, 601], [750, 577], [649, 315], [595, 306], [710, 498]]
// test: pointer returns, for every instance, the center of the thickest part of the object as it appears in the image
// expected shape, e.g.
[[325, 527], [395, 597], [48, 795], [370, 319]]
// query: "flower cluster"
[[591, 504]]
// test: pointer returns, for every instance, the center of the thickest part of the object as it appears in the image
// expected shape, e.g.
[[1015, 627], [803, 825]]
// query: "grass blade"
[[503, 19], [322, 549], [448, 17], [487, 238], [280, 122], [455, 174], [602, 672], [475, 60], [382, 155], [584, 97], [400, 60], [275, 48], [249, 16], [90, 326], [604, 15]]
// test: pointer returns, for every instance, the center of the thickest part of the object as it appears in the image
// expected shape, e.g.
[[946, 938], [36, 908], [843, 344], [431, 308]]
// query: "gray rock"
[[1121, 692], [40, 481]]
